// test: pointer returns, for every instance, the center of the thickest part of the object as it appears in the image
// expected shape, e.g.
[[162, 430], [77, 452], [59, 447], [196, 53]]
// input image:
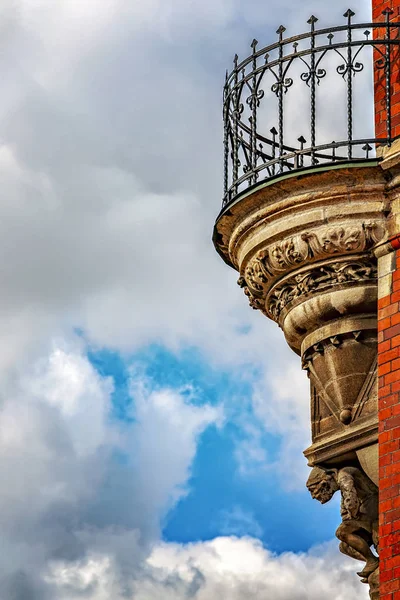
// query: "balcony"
[[306, 102]]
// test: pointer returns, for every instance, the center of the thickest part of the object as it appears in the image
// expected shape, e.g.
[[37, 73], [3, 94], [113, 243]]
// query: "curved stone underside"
[[303, 248]]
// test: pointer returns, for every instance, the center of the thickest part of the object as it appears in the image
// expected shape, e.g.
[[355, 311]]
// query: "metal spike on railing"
[[302, 141], [311, 21], [274, 132], [280, 31], [349, 14], [367, 149], [387, 12]]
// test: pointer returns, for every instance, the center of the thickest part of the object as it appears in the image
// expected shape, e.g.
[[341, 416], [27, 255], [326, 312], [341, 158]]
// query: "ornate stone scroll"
[[296, 251], [318, 279]]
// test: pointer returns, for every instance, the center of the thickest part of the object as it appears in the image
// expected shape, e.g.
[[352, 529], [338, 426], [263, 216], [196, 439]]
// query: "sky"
[[151, 425]]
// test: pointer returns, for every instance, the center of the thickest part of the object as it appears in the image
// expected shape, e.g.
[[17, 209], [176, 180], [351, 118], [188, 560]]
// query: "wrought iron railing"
[[256, 97]]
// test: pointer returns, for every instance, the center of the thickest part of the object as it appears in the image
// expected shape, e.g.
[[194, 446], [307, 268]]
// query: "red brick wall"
[[389, 426], [378, 7]]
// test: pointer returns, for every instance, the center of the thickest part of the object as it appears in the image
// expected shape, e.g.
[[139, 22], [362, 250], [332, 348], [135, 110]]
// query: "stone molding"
[[317, 280], [276, 260]]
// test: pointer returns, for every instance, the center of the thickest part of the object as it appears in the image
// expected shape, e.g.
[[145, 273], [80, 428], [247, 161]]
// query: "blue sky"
[[152, 426], [220, 499]]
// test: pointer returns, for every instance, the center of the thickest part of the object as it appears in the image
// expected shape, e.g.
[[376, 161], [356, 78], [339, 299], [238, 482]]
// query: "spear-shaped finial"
[[311, 21], [349, 14], [387, 12], [280, 31]]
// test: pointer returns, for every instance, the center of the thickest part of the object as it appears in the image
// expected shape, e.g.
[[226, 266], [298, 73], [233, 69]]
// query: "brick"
[[383, 302], [385, 506], [392, 400], [390, 586], [384, 437], [386, 460], [386, 323], [386, 576], [385, 483], [389, 310], [385, 368], [395, 387], [384, 415], [389, 447], [395, 479], [384, 357], [392, 377], [386, 390], [385, 529], [396, 438], [394, 515], [391, 332]]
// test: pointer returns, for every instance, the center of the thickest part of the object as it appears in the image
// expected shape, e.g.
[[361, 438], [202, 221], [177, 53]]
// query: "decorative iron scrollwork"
[[250, 155]]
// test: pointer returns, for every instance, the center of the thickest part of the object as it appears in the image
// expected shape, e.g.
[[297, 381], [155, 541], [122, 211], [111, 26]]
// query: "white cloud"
[[77, 481], [110, 171], [230, 567], [239, 522]]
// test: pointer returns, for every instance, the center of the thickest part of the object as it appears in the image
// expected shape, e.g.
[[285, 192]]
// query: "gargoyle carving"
[[358, 531]]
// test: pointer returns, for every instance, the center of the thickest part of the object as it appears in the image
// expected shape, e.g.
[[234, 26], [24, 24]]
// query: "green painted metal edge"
[[298, 173]]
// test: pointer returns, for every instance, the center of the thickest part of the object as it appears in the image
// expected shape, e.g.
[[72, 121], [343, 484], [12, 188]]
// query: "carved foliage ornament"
[[318, 279], [309, 246]]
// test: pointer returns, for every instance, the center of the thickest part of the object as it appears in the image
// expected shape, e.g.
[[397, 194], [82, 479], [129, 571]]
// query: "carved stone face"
[[321, 485], [323, 491]]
